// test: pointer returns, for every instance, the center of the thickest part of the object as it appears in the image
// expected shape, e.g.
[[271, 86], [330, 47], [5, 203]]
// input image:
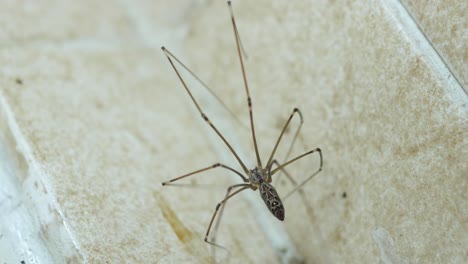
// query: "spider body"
[[272, 200], [260, 178]]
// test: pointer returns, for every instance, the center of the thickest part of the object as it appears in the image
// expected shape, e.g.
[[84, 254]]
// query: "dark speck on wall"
[[19, 81], [344, 195]]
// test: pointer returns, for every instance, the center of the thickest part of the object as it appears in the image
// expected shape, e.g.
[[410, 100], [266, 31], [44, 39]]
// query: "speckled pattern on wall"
[[445, 25]]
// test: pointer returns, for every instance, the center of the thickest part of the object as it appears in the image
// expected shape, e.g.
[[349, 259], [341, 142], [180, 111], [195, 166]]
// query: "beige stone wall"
[[445, 26], [93, 119]]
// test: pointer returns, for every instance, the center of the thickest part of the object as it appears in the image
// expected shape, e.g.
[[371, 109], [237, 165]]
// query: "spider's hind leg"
[[220, 207]]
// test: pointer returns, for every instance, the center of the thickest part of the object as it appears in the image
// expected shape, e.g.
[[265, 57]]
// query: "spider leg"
[[205, 169], [170, 56], [298, 186], [296, 110], [242, 186]]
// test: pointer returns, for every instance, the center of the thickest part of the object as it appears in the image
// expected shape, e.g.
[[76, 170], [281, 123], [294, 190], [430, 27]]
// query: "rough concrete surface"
[[445, 24], [93, 119]]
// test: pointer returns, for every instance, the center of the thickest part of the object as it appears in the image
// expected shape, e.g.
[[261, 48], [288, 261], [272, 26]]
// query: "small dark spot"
[[98, 104], [22, 262], [344, 195], [19, 81]]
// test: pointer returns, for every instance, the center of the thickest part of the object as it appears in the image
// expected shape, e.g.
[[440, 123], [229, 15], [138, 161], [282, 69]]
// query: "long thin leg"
[[301, 192], [244, 187], [282, 133], [244, 76], [206, 87], [299, 186], [205, 169], [281, 167], [296, 135], [222, 209], [220, 215], [288, 175], [294, 139], [207, 120], [298, 157]]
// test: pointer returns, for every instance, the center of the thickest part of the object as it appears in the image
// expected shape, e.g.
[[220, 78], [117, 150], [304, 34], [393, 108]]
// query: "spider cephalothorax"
[[257, 176]]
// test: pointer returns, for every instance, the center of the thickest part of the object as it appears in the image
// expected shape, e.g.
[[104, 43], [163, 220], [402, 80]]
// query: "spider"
[[259, 177]]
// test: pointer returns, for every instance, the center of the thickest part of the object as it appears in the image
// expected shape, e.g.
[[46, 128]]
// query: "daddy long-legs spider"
[[259, 177]]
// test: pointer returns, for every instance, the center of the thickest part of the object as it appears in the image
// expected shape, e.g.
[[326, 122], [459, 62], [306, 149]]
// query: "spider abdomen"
[[272, 200]]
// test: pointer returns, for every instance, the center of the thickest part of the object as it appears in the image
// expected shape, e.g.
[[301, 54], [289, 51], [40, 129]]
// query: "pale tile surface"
[[108, 122], [111, 149], [446, 26], [393, 132], [28, 22], [108, 126]]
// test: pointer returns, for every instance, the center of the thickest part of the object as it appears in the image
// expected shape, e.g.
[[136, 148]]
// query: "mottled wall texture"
[[93, 119]]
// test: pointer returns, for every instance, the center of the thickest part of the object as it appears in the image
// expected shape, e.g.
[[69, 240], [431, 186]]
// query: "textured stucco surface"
[[24, 22], [393, 131], [446, 26], [107, 144], [106, 122]]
